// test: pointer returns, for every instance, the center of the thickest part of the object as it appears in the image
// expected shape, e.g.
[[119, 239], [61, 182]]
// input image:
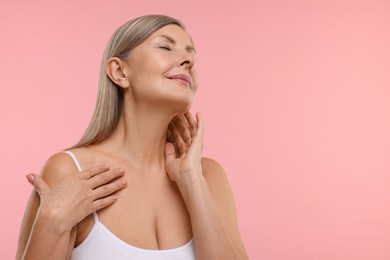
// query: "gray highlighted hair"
[[110, 97]]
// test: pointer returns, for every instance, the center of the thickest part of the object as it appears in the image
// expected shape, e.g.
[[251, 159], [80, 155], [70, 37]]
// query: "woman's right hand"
[[77, 195]]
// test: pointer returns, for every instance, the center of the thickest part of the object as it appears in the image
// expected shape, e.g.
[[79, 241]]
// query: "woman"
[[151, 198]]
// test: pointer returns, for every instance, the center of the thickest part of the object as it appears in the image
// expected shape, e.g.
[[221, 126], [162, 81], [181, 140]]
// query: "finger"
[[179, 134], [171, 139], [185, 135], [178, 118], [169, 134], [170, 153], [191, 121], [197, 142], [102, 203], [105, 177], [179, 141], [89, 173], [38, 183], [108, 189], [180, 122]]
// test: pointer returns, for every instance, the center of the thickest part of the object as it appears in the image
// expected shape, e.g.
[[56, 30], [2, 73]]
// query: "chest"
[[149, 213]]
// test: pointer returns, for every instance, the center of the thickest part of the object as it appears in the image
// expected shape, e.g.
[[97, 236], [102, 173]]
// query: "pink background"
[[295, 94]]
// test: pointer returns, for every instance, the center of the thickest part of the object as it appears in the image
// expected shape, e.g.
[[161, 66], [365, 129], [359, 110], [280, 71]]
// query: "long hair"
[[110, 97]]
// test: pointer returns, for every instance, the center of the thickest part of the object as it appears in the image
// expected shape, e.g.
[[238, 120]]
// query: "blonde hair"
[[110, 97]]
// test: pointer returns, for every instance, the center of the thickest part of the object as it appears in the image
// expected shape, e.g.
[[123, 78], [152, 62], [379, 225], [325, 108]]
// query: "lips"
[[182, 79]]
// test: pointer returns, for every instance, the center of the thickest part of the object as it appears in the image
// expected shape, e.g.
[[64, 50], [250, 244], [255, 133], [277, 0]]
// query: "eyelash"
[[165, 48]]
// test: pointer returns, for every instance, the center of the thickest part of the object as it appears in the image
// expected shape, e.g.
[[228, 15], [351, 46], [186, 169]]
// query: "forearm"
[[48, 239], [212, 241]]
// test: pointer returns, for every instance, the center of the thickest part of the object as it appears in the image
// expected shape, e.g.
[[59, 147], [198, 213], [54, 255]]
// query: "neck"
[[140, 137]]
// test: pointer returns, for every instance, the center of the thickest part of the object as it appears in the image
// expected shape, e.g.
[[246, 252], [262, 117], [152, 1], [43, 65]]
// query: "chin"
[[179, 105], [182, 105]]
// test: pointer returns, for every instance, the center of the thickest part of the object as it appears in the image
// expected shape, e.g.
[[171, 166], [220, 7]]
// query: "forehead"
[[173, 31]]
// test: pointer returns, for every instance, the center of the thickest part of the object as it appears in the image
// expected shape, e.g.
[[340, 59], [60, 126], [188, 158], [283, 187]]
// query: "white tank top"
[[102, 244]]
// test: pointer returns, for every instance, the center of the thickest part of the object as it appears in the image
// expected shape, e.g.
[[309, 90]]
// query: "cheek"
[[150, 69], [149, 76], [156, 68], [195, 78], [145, 72]]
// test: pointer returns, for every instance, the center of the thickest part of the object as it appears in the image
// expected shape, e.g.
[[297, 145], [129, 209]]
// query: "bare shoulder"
[[210, 163], [218, 184], [57, 167], [213, 172], [223, 198]]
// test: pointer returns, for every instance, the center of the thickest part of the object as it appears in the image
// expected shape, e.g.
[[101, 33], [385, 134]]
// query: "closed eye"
[[165, 48]]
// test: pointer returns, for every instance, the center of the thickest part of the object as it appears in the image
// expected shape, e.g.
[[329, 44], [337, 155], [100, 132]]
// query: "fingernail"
[[30, 178]]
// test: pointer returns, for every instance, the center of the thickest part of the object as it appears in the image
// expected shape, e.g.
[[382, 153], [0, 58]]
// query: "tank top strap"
[[95, 216], [74, 160]]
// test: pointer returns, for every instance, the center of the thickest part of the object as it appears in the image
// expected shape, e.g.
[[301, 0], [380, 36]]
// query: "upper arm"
[[57, 167], [223, 198]]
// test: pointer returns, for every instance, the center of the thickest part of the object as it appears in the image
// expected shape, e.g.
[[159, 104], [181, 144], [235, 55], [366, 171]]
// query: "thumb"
[[170, 153], [38, 183]]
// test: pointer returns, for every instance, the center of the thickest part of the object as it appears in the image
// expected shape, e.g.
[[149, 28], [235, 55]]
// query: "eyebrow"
[[189, 48]]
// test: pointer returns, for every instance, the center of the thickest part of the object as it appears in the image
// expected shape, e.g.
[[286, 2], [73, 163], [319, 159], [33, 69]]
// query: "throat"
[[131, 143]]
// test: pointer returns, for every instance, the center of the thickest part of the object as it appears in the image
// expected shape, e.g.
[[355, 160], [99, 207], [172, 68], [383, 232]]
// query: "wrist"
[[52, 220], [190, 184]]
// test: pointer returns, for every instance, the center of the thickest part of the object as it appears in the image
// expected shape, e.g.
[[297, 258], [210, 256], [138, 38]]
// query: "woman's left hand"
[[187, 135]]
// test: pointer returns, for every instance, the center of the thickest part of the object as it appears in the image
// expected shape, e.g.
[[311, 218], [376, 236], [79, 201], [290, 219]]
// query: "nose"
[[186, 60]]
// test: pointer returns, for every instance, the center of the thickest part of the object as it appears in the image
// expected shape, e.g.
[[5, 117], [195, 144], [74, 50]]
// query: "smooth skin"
[[164, 192], [52, 213]]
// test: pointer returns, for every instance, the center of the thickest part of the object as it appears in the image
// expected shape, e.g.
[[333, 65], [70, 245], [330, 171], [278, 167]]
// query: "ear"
[[116, 70]]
